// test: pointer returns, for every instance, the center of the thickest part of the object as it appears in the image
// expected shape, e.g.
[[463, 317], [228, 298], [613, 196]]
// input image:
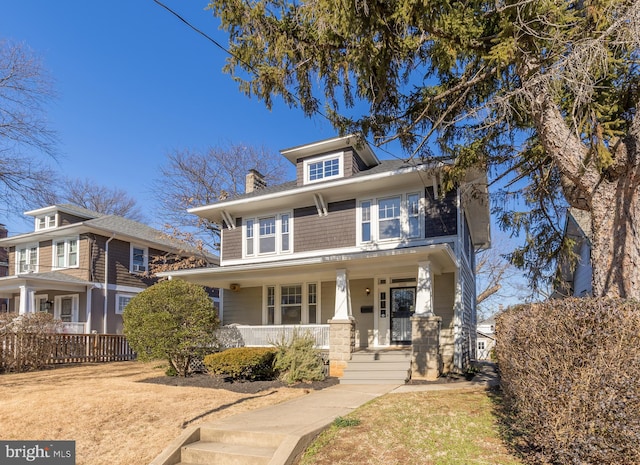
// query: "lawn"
[[113, 415], [427, 428]]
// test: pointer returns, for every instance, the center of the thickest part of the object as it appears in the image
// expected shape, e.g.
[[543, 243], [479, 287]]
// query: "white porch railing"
[[72, 328], [265, 336]]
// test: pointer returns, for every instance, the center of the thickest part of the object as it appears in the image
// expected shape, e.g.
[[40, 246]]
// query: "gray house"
[[82, 266], [367, 255], [574, 273]]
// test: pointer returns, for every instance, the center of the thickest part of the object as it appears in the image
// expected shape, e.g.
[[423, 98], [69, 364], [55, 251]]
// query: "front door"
[[403, 303]]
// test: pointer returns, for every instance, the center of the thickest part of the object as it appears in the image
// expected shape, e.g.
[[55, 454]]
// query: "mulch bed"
[[246, 387]]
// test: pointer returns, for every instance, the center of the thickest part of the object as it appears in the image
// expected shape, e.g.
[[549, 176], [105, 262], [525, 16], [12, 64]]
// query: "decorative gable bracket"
[[321, 205], [228, 219]]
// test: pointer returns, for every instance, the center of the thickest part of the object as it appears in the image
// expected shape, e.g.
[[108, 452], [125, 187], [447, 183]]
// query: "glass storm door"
[[403, 302]]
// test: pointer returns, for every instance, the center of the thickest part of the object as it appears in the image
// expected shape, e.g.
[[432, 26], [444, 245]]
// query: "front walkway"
[[282, 432]]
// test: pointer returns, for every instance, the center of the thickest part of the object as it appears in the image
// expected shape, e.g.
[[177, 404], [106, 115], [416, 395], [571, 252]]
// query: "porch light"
[[368, 291]]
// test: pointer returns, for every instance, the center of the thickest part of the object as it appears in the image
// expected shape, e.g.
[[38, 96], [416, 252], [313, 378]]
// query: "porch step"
[[230, 448], [378, 367]]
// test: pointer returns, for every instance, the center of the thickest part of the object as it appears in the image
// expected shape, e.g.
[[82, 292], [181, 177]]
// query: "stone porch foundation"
[[426, 360], [342, 343]]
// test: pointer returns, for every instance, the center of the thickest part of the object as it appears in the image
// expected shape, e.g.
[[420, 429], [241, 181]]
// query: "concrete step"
[[251, 438], [378, 374], [381, 356], [394, 382], [204, 453], [378, 367]]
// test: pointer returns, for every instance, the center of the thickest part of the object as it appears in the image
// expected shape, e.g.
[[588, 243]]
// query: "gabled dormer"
[[330, 159], [55, 216]]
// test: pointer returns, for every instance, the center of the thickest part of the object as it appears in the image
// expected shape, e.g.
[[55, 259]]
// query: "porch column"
[[27, 300], [342, 334], [425, 329], [424, 294]]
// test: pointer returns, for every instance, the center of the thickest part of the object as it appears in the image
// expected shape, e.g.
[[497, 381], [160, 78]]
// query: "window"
[[389, 218], [399, 217], [46, 221], [312, 302], [139, 259], [66, 308], [65, 253], [121, 302], [322, 168], [267, 235], [480, 345], [27, 259], [291, 304], [271, 305]]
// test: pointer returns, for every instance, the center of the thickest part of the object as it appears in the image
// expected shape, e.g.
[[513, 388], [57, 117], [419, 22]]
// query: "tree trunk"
[[615, 238]]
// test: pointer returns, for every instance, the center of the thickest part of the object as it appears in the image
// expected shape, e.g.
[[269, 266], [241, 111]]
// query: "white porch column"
[[27, 300], [343, 297], [424, 294], [87, 327]]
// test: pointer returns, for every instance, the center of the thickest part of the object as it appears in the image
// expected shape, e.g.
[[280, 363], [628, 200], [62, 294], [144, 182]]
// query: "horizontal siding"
[[65, 219], [232, 242], [337, 229], [243, 307]]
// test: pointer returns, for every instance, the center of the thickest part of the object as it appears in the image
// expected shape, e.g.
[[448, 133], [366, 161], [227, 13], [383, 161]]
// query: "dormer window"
[[323, 168], [46, 222], [139, 259]]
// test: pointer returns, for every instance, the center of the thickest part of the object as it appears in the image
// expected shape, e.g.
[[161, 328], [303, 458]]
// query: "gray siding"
[[232, 242], [337, 229], [443, 303], [243, 307]]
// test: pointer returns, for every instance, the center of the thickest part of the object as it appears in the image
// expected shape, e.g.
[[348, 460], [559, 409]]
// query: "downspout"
[[106, 283]]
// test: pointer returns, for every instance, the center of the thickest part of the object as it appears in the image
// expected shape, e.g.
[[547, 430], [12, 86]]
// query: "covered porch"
[[373, 299]]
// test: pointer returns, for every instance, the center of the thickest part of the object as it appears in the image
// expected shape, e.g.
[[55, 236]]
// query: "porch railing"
[[72, 328], [265, 336]]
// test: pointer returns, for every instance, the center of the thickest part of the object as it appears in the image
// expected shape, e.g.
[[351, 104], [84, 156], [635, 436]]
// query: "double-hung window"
[[139, 259], [323, 168], [46, 221], [267, 235], [392, 218], [65, 253], [291, 304], [27, 259]]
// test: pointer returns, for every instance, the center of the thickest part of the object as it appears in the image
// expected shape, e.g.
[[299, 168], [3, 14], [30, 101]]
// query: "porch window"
[[312, 302], [291, 305], [27, 259], [66, 308], [65, 253], [271, 305]]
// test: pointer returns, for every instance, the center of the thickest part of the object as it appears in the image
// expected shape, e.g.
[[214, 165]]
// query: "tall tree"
[[25, 90], [546, 90], [196, 178]]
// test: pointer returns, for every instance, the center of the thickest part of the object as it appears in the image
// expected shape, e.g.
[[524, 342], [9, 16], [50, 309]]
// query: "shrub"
[[570, 372], [297, 360], [27, 342], [172, 320], [242, 363]]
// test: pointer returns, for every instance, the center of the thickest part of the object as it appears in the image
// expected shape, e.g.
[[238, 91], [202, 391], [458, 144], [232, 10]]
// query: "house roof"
[[65, 208], [36, 281], [357, 142]]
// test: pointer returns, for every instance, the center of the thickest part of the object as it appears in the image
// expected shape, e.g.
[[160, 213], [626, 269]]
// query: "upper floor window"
[[398, 217], [267, 235], [139, 259], [322, 168], [27, 259], [46, 221], [65, 253]]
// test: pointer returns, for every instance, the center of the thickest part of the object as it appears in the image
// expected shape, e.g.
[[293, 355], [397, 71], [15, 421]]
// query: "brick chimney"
[[254, 181]]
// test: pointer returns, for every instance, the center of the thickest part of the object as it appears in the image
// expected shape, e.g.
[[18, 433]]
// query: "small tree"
[[173, 320]]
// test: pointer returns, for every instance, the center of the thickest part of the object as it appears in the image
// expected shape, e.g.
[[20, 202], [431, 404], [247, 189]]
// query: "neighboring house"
[[375, 248], [4, 267], [82, 266], [574, 273], [486, 338]]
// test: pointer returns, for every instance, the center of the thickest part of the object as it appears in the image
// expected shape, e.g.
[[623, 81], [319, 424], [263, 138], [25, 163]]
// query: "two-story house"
[[82, 266], [373, 252]]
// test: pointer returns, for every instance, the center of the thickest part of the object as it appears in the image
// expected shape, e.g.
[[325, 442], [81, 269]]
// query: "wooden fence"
[[24, 350]]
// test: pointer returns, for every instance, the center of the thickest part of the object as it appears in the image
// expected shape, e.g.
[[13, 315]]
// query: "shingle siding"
[[232, 242], [337, 229]]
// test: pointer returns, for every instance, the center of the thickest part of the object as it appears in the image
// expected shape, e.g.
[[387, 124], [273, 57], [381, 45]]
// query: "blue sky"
[[135, 83]]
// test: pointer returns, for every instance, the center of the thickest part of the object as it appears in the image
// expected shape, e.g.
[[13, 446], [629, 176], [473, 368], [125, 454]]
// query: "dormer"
[[331, 159], [55, 216]]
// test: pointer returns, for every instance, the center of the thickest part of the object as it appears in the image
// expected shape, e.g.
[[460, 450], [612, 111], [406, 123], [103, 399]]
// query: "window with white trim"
[[46, 221], [139, 259], [393, 218], [122, 300], [289, 304], [267, 235], [27, 259], [65, 253], [323, 168]]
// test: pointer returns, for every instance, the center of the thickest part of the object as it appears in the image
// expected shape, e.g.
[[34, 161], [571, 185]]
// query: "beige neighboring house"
[[361, 252], [486, 338], [574, 274], [82, 266]]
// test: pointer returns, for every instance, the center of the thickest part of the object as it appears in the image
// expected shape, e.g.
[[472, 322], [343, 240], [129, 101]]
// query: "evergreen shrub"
[[243, 363]]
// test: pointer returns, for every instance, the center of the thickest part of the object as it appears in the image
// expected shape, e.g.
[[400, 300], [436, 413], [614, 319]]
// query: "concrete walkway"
[[283, 431]]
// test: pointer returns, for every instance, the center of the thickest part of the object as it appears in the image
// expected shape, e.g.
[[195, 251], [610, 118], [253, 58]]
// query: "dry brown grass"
[[113, 416]]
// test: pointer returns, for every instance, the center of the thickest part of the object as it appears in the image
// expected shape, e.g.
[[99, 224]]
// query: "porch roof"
[[52, 280], [366, 264]]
